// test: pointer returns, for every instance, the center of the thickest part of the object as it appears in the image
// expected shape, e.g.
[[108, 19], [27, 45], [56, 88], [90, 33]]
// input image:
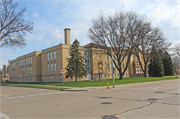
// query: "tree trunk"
[[76, 79], [121, 77], [145, 70]]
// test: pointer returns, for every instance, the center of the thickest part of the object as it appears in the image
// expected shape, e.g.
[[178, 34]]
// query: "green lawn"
[[91, 83]]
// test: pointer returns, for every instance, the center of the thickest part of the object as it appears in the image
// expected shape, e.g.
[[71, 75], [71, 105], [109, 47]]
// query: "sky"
[[51, 17]]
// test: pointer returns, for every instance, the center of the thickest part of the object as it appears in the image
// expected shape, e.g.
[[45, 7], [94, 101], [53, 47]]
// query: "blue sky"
[[50, 17]]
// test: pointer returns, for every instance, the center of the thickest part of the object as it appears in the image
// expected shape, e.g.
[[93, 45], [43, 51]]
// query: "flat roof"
[[27, 54]]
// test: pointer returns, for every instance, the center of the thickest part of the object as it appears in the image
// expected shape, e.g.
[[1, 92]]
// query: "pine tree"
[[75, 67], [151, 67], [168, 65], [159, 68], [156, 68]]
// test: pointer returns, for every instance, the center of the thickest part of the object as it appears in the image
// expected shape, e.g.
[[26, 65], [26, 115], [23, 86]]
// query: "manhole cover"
[[109, 117], [159, 92], [106, 103], [103, 97]]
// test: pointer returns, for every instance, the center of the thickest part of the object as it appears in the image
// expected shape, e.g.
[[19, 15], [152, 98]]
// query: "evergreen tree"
[[151, 67], [152, 63], [156, 68], [168, 65], [75, 67], [159, 68]]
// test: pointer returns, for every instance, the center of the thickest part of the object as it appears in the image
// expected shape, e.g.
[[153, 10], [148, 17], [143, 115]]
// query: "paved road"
[[158, 100]]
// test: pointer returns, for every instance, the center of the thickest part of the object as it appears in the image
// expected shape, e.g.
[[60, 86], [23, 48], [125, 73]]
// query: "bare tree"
[[176, 63], [13, 26], [176, 50], [151, 37], [121, 32]]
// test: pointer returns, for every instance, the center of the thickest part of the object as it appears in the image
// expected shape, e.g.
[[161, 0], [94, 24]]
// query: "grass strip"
[[33, 86], [103, 82]]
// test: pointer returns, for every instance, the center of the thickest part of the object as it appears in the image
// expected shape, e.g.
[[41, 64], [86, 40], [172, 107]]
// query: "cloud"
[[47, 43], [43, 22], [37, 37], [35, 14], [160, 12], [56, 34]]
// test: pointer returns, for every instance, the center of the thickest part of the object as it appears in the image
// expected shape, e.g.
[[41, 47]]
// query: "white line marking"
[[21, 96], [31, 95], [3, 115]]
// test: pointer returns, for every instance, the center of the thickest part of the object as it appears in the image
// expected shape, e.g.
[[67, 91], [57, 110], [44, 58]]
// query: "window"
[[47, 56], [54, 54], [20, 62], [31, 60], [115, 75], [135, 58], [51, 67], [123, 66], [47, 67], [87, 61], [108, 75], [59, 77], [44, 78], [111, 75], [51, 77], [118, 74], [51, 56], [108, 66], [31, 70], [125, 58], [104, 75], [107, 57], [54, 66], [126, 74], [100, 75], [26, 61]]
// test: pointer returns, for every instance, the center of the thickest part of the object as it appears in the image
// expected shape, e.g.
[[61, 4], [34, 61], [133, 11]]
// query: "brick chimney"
[[67, 36]]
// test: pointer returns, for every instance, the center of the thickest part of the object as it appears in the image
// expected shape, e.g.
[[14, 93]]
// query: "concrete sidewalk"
[[105, 87]]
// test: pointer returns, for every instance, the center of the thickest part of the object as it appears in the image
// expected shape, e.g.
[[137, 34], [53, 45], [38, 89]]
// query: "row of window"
[[13, 65], [22, 79], [113, 57], [22, 71], [29, 60], [115, 75], [12, 72], [22, 62], [124, 65], [51, 56], [87, 61], [29, 70], [51, 77], [50, 67]]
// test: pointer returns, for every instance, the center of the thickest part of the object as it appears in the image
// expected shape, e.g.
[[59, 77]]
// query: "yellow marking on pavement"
[[169, 85]]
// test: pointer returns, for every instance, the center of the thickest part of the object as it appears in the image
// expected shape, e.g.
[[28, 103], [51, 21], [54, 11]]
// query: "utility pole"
[[112, 68]]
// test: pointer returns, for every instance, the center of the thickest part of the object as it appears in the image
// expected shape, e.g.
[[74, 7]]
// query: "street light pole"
[[112, 68]]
